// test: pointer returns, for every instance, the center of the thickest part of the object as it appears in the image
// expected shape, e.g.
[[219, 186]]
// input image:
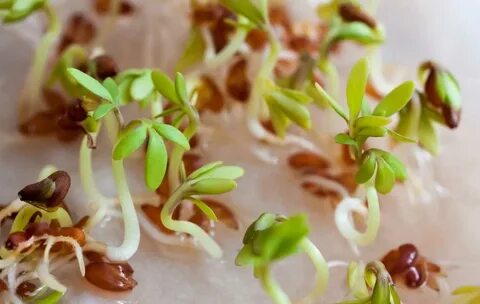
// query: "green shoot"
[[378, 170], [211, 179], [272, 238], [372, 277]]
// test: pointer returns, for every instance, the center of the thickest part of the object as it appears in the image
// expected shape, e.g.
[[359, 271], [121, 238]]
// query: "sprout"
[[373, 277], [378, 170], [466, 295], [272, 238]]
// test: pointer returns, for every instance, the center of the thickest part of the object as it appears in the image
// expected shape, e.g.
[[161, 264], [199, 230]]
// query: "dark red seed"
[[15, 239], [408, 254], [55, 101], [25, 289], [192, 162], [49, 192], [93, 256], [3, 286], [257, 39], [76, 112], [110, 276], [82, 222], [105, 66], [209, 96], [153, 214], [42, 123], [102, 7], [451, 116], [415, 277]]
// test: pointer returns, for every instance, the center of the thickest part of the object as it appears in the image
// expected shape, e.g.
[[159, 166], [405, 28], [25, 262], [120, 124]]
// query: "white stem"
[[131, 226]]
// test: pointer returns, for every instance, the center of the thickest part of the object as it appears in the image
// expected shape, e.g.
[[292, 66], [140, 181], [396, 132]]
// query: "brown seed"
[[223, 213], [105, 66], [431, 88], [93, 256], [321, 192], [237, 82], [286, 67], [302, 44], [48, 193], [268, 125], [209, 96], [278, 16], [194, 141], [42, 123], [207, 14], [25, 289], [153, 214], [76, 112], [75, 233], [37, 229], [110, 276], [79, 30], [451, 116], [352, 13], [82, 222], [14, 239], [308, 160], [257, 39], [416, 275], [399, 260], [220, 29], [164, 190]]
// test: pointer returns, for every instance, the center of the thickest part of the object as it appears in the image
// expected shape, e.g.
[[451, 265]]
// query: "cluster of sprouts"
[[86, 93]]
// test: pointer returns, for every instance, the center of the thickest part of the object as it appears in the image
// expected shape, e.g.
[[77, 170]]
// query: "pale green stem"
[[131, 238], [87, 180], [230, 50], [322, 270], [199, 235], [112, 127], [33, 87], [270, 286], [256, 99], [178, 152], [346, 226]]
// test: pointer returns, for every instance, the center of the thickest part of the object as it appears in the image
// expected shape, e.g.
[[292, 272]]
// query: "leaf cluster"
[[271, 238]]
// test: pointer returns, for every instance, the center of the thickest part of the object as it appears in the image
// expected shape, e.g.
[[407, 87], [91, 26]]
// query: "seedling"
[[378, 170], [272, 238]]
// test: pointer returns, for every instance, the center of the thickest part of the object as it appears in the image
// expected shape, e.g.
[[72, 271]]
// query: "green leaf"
[[245, 256], [279, 120], [103, 110], [448, 89], [130, 142], [172, 134], [385, 179], [296, 112], [335, 106], [155, 160], [466, 290], [181, 88], [124, 91], [407, 125], [359, 32], [204, 169], [345, 139], [281, 239], [356, 84], [396, 100], [245, 8], [90, 84], [397, 166], [53, 298], [264, 221], [394, 298], [427, 136], [165, 86], [371, 122], [213, 186], [372, 132], [112, 88], [194, 51], [223, 172], [399, 137], [367, 169], [204, 208], [298, 96], [142, 86]]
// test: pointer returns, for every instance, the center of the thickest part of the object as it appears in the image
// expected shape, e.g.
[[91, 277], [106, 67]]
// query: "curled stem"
[[32, 90], [131, 238], [344, 222], [275, 291], [187, 227]]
